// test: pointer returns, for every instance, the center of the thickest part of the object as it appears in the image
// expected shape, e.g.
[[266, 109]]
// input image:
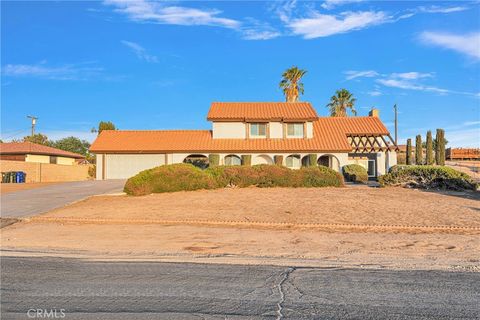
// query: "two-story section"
[[262, 120], [251, 133]]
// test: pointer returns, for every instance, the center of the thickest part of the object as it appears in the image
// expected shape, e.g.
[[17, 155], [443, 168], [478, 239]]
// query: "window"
[[53, 159], [233, 160], [295, 130], [293, 161], [258, 129]]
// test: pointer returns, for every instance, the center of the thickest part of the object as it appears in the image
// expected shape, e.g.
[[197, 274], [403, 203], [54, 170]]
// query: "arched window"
[[293, 161], [198, 160], [232, 160]]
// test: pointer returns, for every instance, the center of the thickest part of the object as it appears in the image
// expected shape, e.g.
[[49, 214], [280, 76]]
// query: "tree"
[[440, 147], [290, 83], [429, 146], [409, 151], [418, 150], [37, 138], [104, 125], [73, 144], [340, 102]]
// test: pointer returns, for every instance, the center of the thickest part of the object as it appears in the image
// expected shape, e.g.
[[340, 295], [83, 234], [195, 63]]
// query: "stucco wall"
[[229, 130], [46, 172], [309, 129], [276, 130], [65, 161]]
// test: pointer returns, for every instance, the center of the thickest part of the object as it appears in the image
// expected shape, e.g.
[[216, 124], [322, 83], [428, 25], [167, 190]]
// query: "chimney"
[[374, 113]]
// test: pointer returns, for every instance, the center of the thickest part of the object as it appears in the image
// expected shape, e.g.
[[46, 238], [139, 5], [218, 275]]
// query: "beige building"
[[32, 152], [267, 132]]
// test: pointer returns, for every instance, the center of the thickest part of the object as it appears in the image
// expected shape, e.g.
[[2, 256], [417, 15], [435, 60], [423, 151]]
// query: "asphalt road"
[[141, 290], [34, 201]]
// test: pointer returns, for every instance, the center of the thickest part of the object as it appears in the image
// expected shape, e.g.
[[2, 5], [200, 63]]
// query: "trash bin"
[[22, 177], [18, 177]]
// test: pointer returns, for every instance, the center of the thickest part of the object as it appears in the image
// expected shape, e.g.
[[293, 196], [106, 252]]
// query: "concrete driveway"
[[30, 202]]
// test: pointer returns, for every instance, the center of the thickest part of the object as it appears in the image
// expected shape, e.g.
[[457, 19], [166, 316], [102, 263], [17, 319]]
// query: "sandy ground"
[[400, 247], [12, 187]]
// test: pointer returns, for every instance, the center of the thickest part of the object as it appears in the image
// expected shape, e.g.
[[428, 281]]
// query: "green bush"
[[185, 177], [427, 177], [213, 159], [246, 160], [355, 173], [169, 178]]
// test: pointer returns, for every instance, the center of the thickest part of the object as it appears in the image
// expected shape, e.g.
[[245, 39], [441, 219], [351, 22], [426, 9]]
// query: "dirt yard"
[[383, 228], [12, 187]]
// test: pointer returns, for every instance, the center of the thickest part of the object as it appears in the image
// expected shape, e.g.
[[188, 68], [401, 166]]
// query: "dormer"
[[262, 120]]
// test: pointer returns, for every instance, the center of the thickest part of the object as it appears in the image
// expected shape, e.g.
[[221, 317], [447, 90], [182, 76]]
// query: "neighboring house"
[[32, 152], [265, 130]]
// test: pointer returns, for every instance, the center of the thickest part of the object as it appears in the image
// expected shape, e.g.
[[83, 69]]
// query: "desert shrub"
[[169, 178], [246, 160], [278, 160], [355, 173], [318, 176], [185, 177], [427, 177], [92, 171], [214, 159]]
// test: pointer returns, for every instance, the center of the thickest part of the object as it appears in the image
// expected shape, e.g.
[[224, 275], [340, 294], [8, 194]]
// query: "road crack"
[[285, 274]]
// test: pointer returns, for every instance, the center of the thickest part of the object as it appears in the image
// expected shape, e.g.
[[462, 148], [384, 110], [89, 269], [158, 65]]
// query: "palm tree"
[[340, 102], [291, 84]]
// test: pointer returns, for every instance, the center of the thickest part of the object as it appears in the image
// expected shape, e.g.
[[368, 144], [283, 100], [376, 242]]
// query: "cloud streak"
[[467, 44], [64, 72], [140, 51], [319, 25], [157, 12]]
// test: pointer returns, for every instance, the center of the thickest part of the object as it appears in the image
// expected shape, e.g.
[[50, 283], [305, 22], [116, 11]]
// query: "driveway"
[[31, 202], [144, 290]]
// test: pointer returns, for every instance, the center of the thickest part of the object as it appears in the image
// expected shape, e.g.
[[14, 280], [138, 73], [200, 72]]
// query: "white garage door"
[[123, 166]]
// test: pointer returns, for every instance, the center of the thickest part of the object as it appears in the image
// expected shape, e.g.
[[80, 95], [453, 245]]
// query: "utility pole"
[[34, 122], [396, 124]]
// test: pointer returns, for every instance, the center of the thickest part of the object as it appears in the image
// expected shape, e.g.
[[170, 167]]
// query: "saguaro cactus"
[[429, 143], [418, 150], [409, 151], [440, 147]]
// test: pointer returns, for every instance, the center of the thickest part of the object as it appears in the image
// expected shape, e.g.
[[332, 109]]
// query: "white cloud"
[[323, 25], [330, 4], [158, 12], [468, 44], [253, 34], [139, 51], [471, 123], [375, 93], [352, 74], [64, 72], [411, 75], [406, 84], [438, 9]]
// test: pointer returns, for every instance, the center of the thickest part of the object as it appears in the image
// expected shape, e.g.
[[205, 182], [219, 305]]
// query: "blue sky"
[[159, 65]]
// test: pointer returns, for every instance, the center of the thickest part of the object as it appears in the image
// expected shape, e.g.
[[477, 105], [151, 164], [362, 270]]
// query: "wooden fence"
[[463, 154]]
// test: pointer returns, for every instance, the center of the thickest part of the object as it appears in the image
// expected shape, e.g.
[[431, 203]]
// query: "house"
[[270, 132], [32, 152]]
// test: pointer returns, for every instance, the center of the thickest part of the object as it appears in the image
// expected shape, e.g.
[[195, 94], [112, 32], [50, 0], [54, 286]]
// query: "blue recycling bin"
[[18, 177]]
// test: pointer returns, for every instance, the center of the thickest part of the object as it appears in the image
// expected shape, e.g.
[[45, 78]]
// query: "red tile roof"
[[33, 148], [330, 134], [251, 111]]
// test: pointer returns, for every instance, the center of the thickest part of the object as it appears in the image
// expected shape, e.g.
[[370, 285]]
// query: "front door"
[[372, 168]]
